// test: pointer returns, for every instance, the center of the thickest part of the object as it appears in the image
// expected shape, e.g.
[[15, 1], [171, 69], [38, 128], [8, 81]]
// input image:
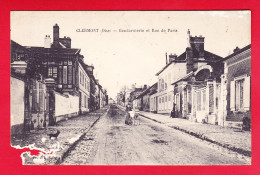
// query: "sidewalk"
[[70, 133], [238, 141]]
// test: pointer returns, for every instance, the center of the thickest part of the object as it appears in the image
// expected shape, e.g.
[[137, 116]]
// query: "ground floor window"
[[52, 72], [240, 96], [239, 86], [189, 101]]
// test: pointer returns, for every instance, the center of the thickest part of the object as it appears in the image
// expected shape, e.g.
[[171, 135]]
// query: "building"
[[59, 63], [144, 102], [111, 101], [236, 89], [60, 67], [84, 88], [174, 69], [153, 98], [93, 88], [196, 94], [56, 82], [29, 97]]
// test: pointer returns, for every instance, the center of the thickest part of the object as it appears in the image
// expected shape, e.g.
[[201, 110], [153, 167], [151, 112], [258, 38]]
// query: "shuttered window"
[[239, 85], [60, 74], [69, 74], [198, 100], [240, 94], [203, 100], [189, 100], [247, 93], [65, 74]]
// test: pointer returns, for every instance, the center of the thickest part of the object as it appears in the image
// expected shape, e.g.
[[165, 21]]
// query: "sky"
[[126, 58]]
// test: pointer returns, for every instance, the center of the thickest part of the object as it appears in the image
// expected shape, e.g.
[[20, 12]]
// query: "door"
[[201, 105], [38, 105]]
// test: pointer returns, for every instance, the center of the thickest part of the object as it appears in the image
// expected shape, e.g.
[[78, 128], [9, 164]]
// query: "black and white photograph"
[[131, 87]]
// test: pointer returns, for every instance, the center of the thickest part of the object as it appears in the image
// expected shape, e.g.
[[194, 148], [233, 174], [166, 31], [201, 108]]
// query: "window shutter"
[[247, 95], [232, 95]]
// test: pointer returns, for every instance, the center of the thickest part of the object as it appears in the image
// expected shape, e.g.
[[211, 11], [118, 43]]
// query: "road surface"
[[112, 142]]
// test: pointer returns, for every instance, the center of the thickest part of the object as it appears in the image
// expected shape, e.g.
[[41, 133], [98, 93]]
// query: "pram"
[[132, 118]]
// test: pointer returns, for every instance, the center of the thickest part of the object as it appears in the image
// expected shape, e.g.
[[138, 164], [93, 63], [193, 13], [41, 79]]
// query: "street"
[[112, 142]]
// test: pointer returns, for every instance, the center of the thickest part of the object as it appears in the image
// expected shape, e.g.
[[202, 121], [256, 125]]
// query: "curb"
[[202, 137], [65, 153]]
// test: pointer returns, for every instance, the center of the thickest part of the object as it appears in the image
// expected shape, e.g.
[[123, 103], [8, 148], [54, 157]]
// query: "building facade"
[[29, 96], [84, 88], [196, 94], [236, 88]]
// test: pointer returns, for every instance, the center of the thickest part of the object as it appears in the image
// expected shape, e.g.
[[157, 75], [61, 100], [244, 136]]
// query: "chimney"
[[188, 38], [47, 41], [66, 41], [166, 58], [189, 59], [90, 69], [172, 58], [236, 49], [197, 45], [56, 35], [145, 86]]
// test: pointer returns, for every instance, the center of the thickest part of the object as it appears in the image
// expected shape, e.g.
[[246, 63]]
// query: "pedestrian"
[[173, 111], [128, 120]]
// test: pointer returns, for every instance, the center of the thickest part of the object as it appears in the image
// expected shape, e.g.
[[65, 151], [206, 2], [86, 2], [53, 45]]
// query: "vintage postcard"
[[131, 87]]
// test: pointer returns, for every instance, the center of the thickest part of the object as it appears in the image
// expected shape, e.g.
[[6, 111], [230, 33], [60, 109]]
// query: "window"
[[69, 74], [189, 101], [240, 94], [203, 99], [65, 74], [162, 85], [198, 100], [52, 72], [239, 85], [85, 101], [60, 74]]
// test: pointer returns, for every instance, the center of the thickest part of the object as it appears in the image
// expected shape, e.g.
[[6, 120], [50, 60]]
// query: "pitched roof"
[[15, 45], [238, 52], [69, 51], [148, 90], [208, 56], [211, 57]]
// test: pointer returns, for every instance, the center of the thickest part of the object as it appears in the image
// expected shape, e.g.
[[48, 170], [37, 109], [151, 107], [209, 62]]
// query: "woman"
[[173, 111], [128, 119]]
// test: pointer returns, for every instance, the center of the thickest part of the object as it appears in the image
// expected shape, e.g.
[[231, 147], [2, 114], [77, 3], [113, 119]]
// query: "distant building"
[[83, 80], [153, 98], [172, 71], [111, 101], [144, 100]]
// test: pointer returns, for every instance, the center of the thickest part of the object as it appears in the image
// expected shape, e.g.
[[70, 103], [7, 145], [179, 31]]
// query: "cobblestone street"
[[70, 131], [112, 142]]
